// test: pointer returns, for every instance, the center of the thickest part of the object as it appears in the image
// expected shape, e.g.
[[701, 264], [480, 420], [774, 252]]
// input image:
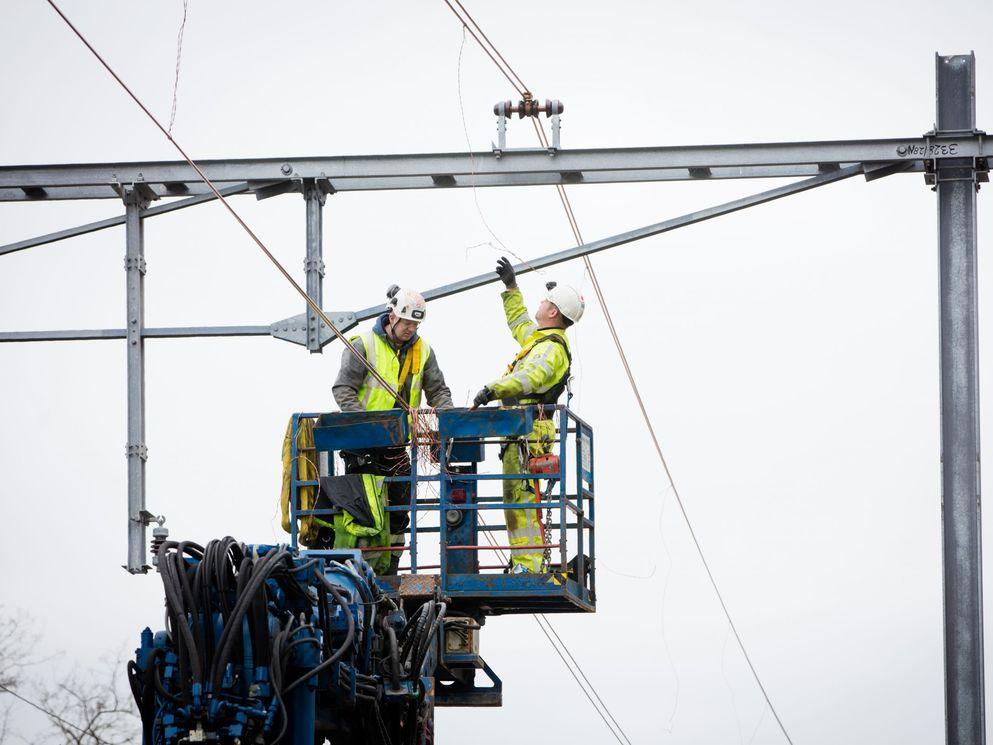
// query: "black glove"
[[506, 273], [482, 398]]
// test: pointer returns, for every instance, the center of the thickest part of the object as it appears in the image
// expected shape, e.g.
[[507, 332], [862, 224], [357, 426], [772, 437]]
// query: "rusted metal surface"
[[418, 585]]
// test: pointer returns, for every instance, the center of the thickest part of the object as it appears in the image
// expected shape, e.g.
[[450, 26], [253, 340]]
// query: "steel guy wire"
[[538, 618], [670, 725], [43, 710], [482, 46], [573, 224], [472, 169], [220, 197], [492, 45], [727, 684], [567, 205], [466, 27], [179, 57]]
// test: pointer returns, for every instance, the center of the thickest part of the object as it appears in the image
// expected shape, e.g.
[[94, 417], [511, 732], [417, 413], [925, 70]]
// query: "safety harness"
[[550, 396], [411, 364]]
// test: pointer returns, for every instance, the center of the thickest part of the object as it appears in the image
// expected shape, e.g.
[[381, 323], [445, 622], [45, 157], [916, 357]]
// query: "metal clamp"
[[135, 262], [973, 170], [314, 264], [528, 107], [137, 194], [139, 449]]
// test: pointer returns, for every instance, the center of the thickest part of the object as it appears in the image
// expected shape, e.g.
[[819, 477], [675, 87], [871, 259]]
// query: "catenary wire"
[[567, 205], [538, 618], [492, 46], [482, 46], [574, 226], [220, 197]]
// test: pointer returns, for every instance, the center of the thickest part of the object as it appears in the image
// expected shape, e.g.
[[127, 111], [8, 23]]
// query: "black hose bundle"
[[345, 645], [222, 602]]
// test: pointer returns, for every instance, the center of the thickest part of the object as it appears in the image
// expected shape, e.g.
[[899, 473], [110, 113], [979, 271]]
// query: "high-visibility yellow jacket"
[[539, 372], [384, 359], [412, 369]]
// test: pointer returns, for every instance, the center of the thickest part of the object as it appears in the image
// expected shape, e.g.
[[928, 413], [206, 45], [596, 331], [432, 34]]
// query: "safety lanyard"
[[415, 353]]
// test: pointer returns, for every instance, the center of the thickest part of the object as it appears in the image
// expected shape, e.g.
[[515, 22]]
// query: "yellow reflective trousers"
[[524, 526]]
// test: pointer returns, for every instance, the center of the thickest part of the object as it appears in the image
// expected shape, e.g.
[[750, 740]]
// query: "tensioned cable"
[[492, 45], [574, 225], [518, 88], [43, 710], [538, 618], [220, 197]]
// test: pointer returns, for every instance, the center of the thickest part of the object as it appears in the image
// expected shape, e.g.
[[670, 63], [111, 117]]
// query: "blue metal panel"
[[361, 429], [464, 532], [465, 451], [486, 422]]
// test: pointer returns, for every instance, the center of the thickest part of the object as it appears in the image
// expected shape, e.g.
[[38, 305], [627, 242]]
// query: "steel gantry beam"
[[509, 168], [302, 328]]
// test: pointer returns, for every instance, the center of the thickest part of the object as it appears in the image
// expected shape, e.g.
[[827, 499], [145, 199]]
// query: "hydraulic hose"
[[391, 638], [174, 598], [345, 645], [426, 643], [261, 571]]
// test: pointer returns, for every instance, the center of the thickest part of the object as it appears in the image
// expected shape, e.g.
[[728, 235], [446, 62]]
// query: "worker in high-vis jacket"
[[538, 374], [410, 366]]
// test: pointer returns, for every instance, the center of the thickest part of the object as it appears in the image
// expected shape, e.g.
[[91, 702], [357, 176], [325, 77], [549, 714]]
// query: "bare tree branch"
[[83, 706], [17, 645], [87, 707]]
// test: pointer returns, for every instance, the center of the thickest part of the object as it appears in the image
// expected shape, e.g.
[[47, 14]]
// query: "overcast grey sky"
[[788, 354]]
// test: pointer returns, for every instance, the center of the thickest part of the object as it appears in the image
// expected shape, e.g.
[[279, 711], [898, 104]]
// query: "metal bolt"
[[286, 169], [902, 150]]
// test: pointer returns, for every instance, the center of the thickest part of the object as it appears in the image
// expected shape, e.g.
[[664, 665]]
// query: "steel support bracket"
[[294, 328], [135, 262], [314, 265], [290, 186], [944, 142], [147, 518], [139, 193], [873, 171]]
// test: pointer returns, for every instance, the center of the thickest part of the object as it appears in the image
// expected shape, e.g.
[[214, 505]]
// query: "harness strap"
[[412, 359]]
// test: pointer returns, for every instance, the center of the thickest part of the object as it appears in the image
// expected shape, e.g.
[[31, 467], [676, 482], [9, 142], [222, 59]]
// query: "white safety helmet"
[[567, 299], [406, 303]]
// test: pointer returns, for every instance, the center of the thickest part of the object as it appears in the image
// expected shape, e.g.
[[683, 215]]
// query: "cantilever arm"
[[110, 222], [479, 280], [633, 235]]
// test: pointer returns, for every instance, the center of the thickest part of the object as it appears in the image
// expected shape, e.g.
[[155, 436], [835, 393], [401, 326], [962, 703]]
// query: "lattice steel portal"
[[953, 158]]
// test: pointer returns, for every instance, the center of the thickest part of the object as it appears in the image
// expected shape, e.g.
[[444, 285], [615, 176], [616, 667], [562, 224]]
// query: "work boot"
[[394, 563]]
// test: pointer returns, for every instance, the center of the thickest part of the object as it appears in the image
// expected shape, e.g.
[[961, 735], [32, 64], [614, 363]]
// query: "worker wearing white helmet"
[[405, 361], [537, 375]]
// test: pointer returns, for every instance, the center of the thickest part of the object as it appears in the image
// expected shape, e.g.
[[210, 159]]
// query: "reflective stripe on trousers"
[[524, 525]]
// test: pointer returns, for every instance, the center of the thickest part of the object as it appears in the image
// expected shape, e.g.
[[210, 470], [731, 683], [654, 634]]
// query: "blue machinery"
[[271, 644]]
